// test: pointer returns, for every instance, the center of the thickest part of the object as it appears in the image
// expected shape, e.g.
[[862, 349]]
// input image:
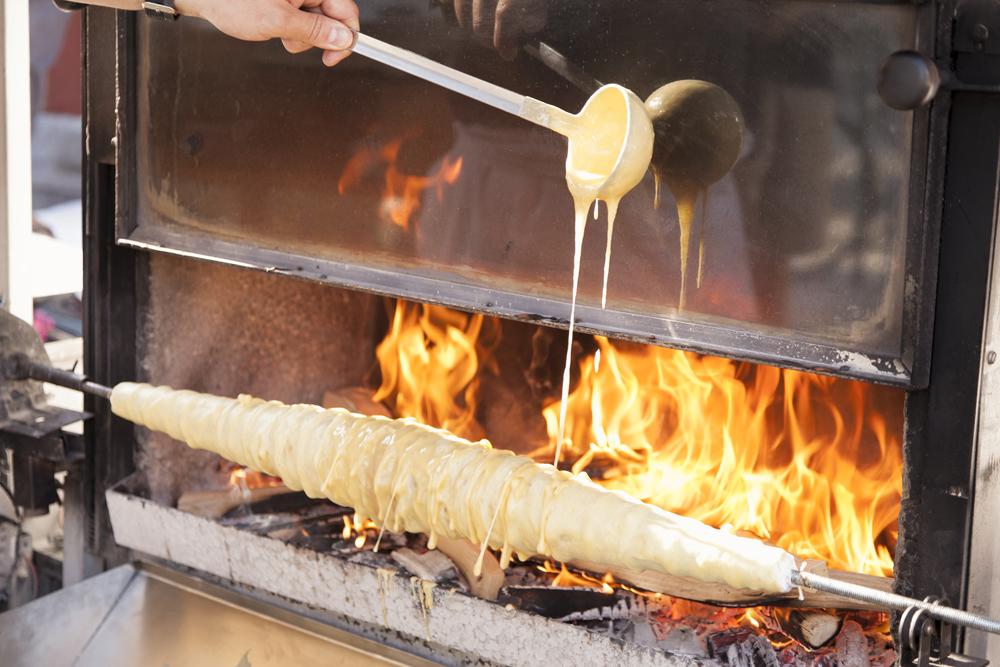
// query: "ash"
[[738, 637]]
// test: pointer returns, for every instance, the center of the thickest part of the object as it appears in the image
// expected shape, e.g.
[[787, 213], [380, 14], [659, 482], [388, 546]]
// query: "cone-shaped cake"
[[411, 477]]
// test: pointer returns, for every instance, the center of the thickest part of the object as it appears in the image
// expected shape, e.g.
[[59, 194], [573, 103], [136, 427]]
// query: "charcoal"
[[852, 646], [683, 640], [623, 607], [291, 503], [742, 647], [718, 642], [754, 652], [556, 601]]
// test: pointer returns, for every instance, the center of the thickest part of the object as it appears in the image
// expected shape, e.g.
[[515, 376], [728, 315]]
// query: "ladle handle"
[[429, 70], [462, 83]]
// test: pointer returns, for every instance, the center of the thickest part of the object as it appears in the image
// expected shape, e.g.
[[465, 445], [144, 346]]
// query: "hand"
[[300, 24], [506, 22]]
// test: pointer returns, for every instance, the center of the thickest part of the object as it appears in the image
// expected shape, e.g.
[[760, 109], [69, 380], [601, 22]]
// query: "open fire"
[[810, 463]]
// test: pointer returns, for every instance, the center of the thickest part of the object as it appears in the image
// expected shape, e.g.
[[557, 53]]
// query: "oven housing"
[[951, 206]]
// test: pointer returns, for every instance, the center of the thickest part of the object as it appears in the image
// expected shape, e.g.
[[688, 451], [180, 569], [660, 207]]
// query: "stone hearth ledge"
[[430, 615]]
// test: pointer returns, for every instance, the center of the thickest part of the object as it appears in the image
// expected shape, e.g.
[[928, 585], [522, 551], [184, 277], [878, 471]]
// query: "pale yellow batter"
[[610, 145], [411, 477]]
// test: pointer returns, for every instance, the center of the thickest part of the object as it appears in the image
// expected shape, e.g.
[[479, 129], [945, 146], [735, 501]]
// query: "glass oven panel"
[[365, 176]]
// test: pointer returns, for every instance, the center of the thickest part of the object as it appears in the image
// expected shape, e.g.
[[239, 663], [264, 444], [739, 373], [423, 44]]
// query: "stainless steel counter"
[[145, 615]]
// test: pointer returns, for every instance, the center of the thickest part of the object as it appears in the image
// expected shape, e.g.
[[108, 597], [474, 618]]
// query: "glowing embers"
[[362, 530], [246, 479], [401, 192], [810, 463]]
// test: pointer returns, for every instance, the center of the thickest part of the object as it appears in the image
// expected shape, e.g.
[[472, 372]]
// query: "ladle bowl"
[[699, 132], [610, 140], [621, 152]]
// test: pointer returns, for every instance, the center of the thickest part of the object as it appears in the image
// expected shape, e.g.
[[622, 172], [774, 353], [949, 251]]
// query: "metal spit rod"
[[894, 601], [45, 373], [26, 368]]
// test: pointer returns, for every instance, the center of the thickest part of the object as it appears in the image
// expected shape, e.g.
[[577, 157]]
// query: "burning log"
[[487, 582], [355, 399], [810, 628], [415, 478]]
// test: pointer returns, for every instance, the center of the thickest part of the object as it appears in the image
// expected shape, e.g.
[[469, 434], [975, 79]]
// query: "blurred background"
[[31, 562], [57, 261]]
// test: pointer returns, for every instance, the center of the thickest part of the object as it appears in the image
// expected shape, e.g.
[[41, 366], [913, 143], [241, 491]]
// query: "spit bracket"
[[25, 414], [925, 641]]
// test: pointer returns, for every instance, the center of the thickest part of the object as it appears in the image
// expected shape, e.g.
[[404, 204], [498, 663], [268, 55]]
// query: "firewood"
[[464, 554], [215, 503], [355, 399], [811, 628], [430, 566]]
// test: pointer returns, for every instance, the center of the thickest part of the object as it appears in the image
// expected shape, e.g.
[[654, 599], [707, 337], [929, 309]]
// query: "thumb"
[[315, 29]]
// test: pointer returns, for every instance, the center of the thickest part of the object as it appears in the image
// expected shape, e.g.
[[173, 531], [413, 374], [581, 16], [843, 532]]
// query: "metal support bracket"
[[924, 641]]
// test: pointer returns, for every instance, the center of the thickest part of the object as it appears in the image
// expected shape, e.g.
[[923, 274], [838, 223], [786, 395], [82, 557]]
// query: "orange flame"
[[251, 479], [360, 529], [802, 460], [401, 193], [808, 462], [565, 577], [430, 362]]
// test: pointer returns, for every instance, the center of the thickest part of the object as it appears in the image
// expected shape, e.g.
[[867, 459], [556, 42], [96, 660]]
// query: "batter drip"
[[598, 141], [415, 478]]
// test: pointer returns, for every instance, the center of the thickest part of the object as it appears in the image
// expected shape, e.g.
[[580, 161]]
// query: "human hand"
[[507, 23], [300, 24]]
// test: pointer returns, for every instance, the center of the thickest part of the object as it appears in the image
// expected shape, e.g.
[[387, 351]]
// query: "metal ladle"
[[633, 154], [699, 133], [698, 125]]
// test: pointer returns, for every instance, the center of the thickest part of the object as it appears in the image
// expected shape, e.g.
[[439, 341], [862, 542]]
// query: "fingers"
[[295, 47], [482, 16], [331, 58], [313, 29], [517, 19], [463, 12], [345, 11]]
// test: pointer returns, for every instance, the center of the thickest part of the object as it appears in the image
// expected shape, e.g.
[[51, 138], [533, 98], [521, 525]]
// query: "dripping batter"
[[610, 145], [699, 135]]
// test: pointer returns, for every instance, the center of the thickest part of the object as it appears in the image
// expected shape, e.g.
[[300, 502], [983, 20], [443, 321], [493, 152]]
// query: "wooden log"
[[430, 566], [215, 503], [355, 399], [464, 554], [813, 628], [722, 595]]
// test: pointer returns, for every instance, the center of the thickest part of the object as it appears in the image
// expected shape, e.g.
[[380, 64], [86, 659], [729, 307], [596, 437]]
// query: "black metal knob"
[[908, 80]]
